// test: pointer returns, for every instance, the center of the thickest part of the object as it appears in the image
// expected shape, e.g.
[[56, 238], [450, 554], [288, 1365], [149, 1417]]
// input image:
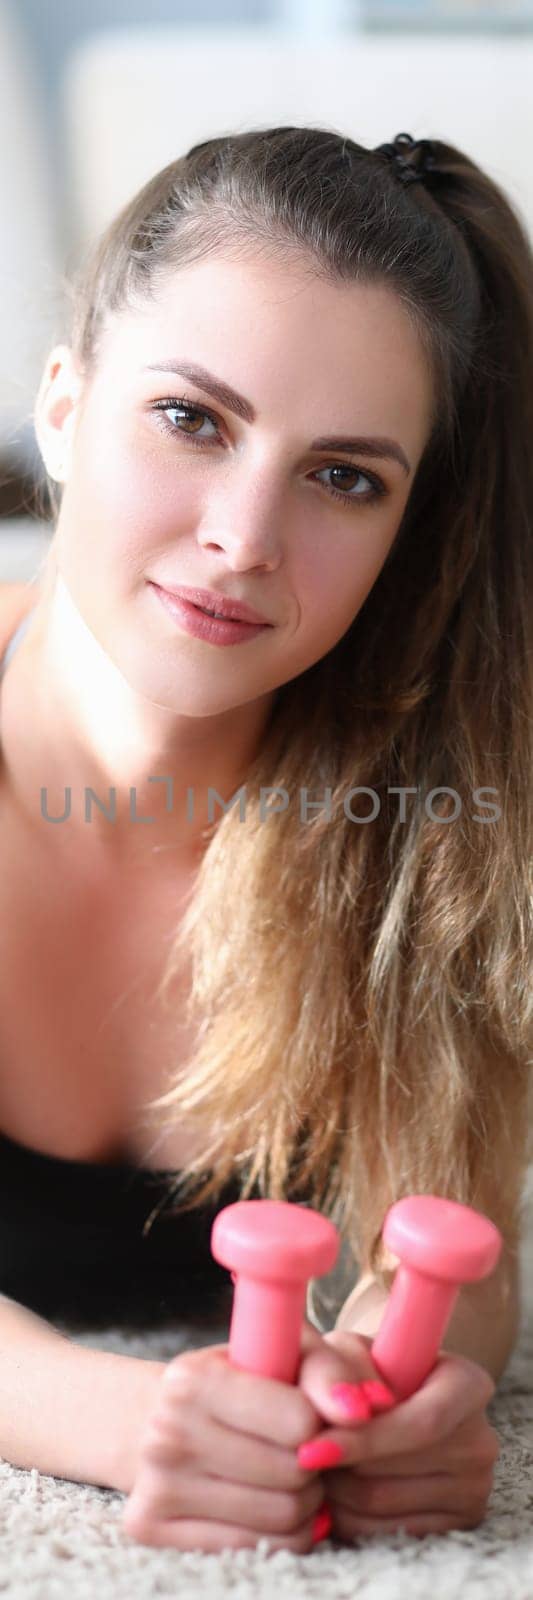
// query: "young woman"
[[273, 880]]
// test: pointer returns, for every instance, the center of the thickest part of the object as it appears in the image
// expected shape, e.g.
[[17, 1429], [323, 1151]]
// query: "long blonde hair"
[[361, 993]]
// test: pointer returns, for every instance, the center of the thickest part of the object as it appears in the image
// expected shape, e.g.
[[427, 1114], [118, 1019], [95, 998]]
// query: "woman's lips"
[[231, 609], [214, 631]]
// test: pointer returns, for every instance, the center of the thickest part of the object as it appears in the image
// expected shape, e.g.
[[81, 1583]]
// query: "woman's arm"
[[484, 1324], [69, 1411]]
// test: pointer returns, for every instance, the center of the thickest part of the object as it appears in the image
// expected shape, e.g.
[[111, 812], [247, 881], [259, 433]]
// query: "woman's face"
[[249, 509]]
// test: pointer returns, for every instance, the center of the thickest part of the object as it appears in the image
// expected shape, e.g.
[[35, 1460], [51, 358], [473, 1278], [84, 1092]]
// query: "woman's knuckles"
[[350, 1356], [478, 1382], [311, 1339], [140, 1517], [491, 1448], [167, 1425], [481, 1457], [462, 1383], [161, 1450], [292, 1510]]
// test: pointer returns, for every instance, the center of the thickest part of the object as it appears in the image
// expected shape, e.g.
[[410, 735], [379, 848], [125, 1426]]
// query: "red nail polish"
[[319, 1453], [322, 1524], [352, 1400], [379, 1395]]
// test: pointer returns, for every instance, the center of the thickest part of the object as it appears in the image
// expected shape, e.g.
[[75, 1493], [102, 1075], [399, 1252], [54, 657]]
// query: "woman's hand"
[[216, 1465], [425, 1466]]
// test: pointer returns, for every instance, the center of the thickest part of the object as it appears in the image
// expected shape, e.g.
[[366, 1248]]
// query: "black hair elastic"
[[412, 158]]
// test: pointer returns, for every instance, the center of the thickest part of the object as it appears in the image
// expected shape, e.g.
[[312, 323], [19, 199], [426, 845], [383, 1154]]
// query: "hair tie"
[[411, 158]]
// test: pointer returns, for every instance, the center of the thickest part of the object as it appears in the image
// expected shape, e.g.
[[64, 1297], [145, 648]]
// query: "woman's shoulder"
[[16, 599]]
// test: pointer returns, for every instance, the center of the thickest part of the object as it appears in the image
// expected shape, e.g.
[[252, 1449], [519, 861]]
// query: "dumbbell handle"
[[265, 1334], [412, 1330]]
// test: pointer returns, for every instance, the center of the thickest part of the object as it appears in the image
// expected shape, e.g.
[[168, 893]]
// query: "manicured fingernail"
[[352, 1400], [318, 1453], [322, 1524], [380, 1396]]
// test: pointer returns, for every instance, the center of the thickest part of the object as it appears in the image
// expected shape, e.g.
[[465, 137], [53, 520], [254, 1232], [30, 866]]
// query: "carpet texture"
[[60, 1539]]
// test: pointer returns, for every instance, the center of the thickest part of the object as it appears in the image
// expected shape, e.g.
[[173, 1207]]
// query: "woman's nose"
[[247, 541], [248, 522]]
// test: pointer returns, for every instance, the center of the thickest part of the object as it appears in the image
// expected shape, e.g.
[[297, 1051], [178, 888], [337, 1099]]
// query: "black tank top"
[[76, 1238]]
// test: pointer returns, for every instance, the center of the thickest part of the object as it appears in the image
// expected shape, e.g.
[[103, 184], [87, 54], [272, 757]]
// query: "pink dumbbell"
[[440, 1245], [272, 1248]]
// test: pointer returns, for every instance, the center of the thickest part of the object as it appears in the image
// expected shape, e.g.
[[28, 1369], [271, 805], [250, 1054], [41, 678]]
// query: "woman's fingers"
[[453, 1391], [417, 1525], [454, 1455], [388, 1496], [340, 1357], [244, 1401], [237, 1517], [176, 1435], [236, 1503], [186, 1534]]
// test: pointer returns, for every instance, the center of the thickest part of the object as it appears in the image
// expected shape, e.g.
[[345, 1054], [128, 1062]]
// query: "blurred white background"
[[96, 95]]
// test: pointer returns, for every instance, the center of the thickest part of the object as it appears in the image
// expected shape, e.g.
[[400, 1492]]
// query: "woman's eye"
[[188, 413], [376, 487], [374, 492]]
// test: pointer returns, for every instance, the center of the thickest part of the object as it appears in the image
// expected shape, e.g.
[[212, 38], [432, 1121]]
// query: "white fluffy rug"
[[60, 1539]]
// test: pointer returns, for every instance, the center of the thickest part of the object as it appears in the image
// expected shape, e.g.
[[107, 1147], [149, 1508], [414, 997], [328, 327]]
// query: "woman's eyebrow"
[[243, 408]]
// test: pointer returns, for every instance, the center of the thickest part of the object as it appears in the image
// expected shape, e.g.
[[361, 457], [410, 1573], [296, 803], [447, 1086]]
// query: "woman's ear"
[[55, 412]]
